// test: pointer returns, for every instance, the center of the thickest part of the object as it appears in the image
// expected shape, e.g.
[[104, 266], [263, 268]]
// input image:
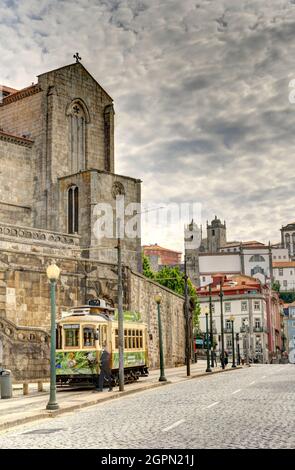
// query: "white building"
[[245, 299], [284, 273], [250, 258]]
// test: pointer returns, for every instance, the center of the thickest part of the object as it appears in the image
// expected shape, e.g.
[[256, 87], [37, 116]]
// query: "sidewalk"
[[23, 409]]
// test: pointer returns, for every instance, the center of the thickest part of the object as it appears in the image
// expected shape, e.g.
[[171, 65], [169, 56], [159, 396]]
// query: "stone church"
[[57, 161], [56, 165]]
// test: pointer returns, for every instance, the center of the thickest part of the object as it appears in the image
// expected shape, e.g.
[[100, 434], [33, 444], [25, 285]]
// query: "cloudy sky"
[[201, 92]]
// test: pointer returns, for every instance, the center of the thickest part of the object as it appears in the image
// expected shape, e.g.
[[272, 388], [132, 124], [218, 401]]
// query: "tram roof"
[[92, 318]]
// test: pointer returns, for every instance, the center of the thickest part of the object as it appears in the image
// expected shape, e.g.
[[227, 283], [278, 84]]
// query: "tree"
[[173, 279], [146, 267], [276, 286]]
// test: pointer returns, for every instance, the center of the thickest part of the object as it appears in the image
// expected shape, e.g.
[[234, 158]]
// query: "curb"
[[95, 401]]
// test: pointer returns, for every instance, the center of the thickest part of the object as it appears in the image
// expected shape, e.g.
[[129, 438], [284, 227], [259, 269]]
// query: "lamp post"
[[211, 325], [52, 272], [207, 341], [120, 311], [232, 319], [187, 322], [221, 324], [246, 324], [238, 349], [158, 299]]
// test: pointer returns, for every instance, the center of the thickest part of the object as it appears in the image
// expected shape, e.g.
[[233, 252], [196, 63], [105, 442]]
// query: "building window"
[[256, 270], [73, 209], [204, 279], [227, 307], [244, 305], [256, 305], [78, 120], [228, 342], [257, 323], [287, 240], [256, 258], [281, 271], [285, 283], [213, 308], [213, 233], [228, 325]]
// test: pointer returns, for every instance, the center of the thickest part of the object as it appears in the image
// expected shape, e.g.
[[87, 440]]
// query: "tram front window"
[[71, 336], [88, 337]]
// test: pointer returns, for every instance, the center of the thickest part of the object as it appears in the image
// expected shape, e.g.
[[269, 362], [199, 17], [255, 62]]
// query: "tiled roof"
[[159, 248], [283, 264]]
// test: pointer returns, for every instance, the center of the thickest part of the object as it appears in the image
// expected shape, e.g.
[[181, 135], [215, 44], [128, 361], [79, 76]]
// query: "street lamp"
[[207, 341], [187, 322], [221, 324], [53, 273], [246, 324], [158, 300], [238, 349], [120, 310], [211, 325], [232, 319]]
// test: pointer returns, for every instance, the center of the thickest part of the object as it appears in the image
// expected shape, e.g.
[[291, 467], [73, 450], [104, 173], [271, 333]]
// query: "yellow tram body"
[[82, 334]]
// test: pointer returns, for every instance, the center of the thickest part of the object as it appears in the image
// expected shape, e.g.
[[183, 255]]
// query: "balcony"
[[258, 329], [227, 329]]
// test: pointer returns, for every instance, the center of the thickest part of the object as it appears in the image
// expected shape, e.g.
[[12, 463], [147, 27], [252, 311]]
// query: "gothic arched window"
[[73, 209], [287, 238], [256, 258], [78, 120]]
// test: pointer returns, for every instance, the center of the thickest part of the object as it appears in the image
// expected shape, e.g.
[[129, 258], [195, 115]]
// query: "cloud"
[[201, 96]]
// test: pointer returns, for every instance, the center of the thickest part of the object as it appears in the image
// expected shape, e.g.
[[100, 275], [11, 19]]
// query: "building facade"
[[255, 309], [288, 238], [284, 273], [160, 256]]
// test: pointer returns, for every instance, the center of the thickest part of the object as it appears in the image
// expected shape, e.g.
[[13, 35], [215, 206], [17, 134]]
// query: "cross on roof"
[[77, 57]]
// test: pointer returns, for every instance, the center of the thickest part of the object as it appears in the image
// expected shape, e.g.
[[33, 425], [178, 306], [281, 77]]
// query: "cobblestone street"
[[250, 408]]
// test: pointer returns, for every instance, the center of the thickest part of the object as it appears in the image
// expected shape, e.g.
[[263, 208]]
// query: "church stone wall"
[[63, 86], [25, 299], [21, 115], [142, 299], [16, 182], [24, 350], [104, 185]]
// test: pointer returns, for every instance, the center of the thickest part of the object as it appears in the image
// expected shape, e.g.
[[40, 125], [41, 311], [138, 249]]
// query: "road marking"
[[213, 404], [173, 425], [252, 382], [236, 391]]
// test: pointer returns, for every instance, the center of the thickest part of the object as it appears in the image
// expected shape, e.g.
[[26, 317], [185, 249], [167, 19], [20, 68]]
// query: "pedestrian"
[[215, 358], [105, 370]]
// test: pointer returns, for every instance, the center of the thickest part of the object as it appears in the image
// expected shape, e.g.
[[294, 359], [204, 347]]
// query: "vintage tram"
[[81, 334]]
